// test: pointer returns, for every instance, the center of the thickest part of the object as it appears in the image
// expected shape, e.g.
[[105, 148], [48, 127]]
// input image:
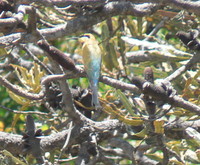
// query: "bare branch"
[[158, 93], [84, 22], [14, 144], [20, 92], [194, 60], [118, 84]]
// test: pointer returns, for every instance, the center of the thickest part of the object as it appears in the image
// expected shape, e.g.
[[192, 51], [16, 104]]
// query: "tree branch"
[[159, 94], [82, 23]]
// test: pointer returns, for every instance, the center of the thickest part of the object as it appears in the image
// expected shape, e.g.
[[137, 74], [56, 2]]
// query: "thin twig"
[[23, 112], [67, 139], [157, 28], [195, 59], [37, 60]]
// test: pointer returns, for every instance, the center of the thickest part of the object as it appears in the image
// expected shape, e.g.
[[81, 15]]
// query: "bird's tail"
[[95, 99]]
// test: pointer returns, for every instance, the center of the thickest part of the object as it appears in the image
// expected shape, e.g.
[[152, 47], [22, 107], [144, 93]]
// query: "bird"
[[91, 54]]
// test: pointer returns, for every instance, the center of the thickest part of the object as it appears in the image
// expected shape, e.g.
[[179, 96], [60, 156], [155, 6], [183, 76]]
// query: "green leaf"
[[127, 104]]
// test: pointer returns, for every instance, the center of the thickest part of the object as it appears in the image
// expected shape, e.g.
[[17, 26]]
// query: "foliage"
[[166, 54]]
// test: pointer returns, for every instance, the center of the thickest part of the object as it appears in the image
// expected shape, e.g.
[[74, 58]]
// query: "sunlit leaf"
[[109, 52], [127, 104], [142, 133], [139, 24], [159, 126], [1, 126], [191, 156], [134, 121], [154, 45], [3, 52], [30, 78], [14, 159], [175, 162], [132, 25], [144, 27], [112, 110], [198, 154], [22, 74], [195, 135], [113, 54], [20, 100], [17, 116], [45, 127], [155, 156]]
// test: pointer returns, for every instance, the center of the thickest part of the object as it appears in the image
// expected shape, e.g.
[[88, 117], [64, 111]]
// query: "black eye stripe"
[[88, 36]]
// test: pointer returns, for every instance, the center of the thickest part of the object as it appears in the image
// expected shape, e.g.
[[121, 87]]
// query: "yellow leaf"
[[22, 74], [113, 55], [17, 116], [15, 119], [142, 133], [20, 100], [45, 127], [8, 129], [178, 112], [3, 52], [30, 79], [127, 104], [116, 113], [132, 26], [133, 121], [144, 27], [109, 53], [2, 126], [38, 74], [45, 60], [155, 156], [198, 154], [159, 126], [197, 75], [176, 162], [14, 159]]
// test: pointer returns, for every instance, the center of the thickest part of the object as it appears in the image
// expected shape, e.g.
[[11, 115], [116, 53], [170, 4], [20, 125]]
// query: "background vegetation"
[[149, 85]]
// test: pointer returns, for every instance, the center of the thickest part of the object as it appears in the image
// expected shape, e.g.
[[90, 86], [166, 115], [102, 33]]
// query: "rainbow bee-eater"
[[91, 54]]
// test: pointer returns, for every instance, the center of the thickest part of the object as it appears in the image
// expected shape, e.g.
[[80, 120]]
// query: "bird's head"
[[86, 37]]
